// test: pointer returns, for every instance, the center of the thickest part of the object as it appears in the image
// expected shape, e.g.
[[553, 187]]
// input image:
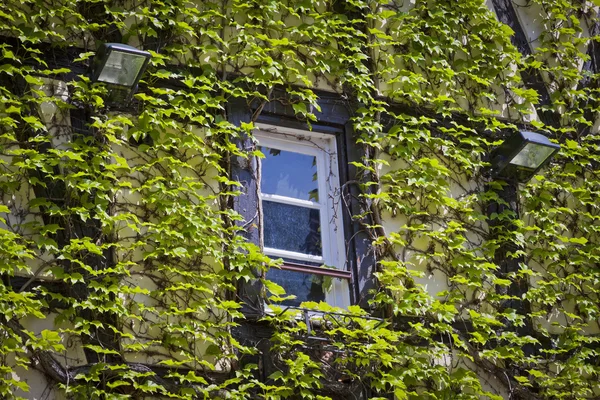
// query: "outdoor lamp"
[[120, 65], [522, 155]]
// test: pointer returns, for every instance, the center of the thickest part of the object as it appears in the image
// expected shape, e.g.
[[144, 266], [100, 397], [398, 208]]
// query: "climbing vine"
[[122, 251]]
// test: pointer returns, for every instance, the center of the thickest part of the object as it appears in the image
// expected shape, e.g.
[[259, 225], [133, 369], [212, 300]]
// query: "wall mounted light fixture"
[[522, 155], [120, 66]]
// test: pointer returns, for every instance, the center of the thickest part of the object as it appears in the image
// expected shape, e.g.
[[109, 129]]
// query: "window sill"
[[309, 269]]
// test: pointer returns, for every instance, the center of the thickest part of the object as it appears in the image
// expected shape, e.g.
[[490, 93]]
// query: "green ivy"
[[120, 238]]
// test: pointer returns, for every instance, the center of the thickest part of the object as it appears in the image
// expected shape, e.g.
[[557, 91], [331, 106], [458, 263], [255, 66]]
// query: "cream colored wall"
[[150, 326], [532, 19], [22, 219], [458, 188], [72, 354], [453, 363], [60, 130], [39, 387], [432, 283]]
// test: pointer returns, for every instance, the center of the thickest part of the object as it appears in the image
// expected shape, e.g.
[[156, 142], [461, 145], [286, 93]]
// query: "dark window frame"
[[333, 119]]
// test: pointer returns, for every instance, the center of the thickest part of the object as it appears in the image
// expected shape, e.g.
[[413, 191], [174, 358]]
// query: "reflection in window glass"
[[289, 174], [306, 287], [292, 228]]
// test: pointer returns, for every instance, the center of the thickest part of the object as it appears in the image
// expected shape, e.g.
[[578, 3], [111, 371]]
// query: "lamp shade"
[[119, 64], [522, 155]]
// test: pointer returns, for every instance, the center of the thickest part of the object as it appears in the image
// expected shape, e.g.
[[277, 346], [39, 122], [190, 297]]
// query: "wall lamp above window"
[[522, 155], [120, 65]]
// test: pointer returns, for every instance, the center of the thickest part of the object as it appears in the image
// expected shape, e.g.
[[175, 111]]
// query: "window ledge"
[[335, 273]]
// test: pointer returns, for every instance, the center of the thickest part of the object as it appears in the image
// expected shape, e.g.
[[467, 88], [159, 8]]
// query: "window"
[[300, 196]]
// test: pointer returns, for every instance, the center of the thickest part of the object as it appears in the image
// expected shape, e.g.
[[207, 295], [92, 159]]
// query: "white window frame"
[[324, 148]]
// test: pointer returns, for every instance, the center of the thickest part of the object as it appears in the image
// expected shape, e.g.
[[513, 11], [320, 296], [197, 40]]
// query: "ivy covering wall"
[[119, 237]]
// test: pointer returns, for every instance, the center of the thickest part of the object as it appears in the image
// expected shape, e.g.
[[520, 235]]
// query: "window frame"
[[325, 148]]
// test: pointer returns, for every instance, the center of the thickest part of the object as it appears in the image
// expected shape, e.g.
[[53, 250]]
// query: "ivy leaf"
[[213, 350], [277, 375], [32, 80], [299, 108], [571, 144], [50, 228], [274, 288], [580, 240]]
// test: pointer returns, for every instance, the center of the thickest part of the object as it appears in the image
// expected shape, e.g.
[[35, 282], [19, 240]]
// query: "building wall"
[[440, 231]]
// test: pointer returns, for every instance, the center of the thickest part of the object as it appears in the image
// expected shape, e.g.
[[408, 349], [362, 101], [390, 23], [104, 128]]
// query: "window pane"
[[306, 287], [292, 228], [289, 174]]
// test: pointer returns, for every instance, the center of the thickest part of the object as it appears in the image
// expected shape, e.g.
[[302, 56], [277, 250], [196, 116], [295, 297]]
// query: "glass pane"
[[532, 155], [306, 287], [289, 174], [121, 68], [292, 228]]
